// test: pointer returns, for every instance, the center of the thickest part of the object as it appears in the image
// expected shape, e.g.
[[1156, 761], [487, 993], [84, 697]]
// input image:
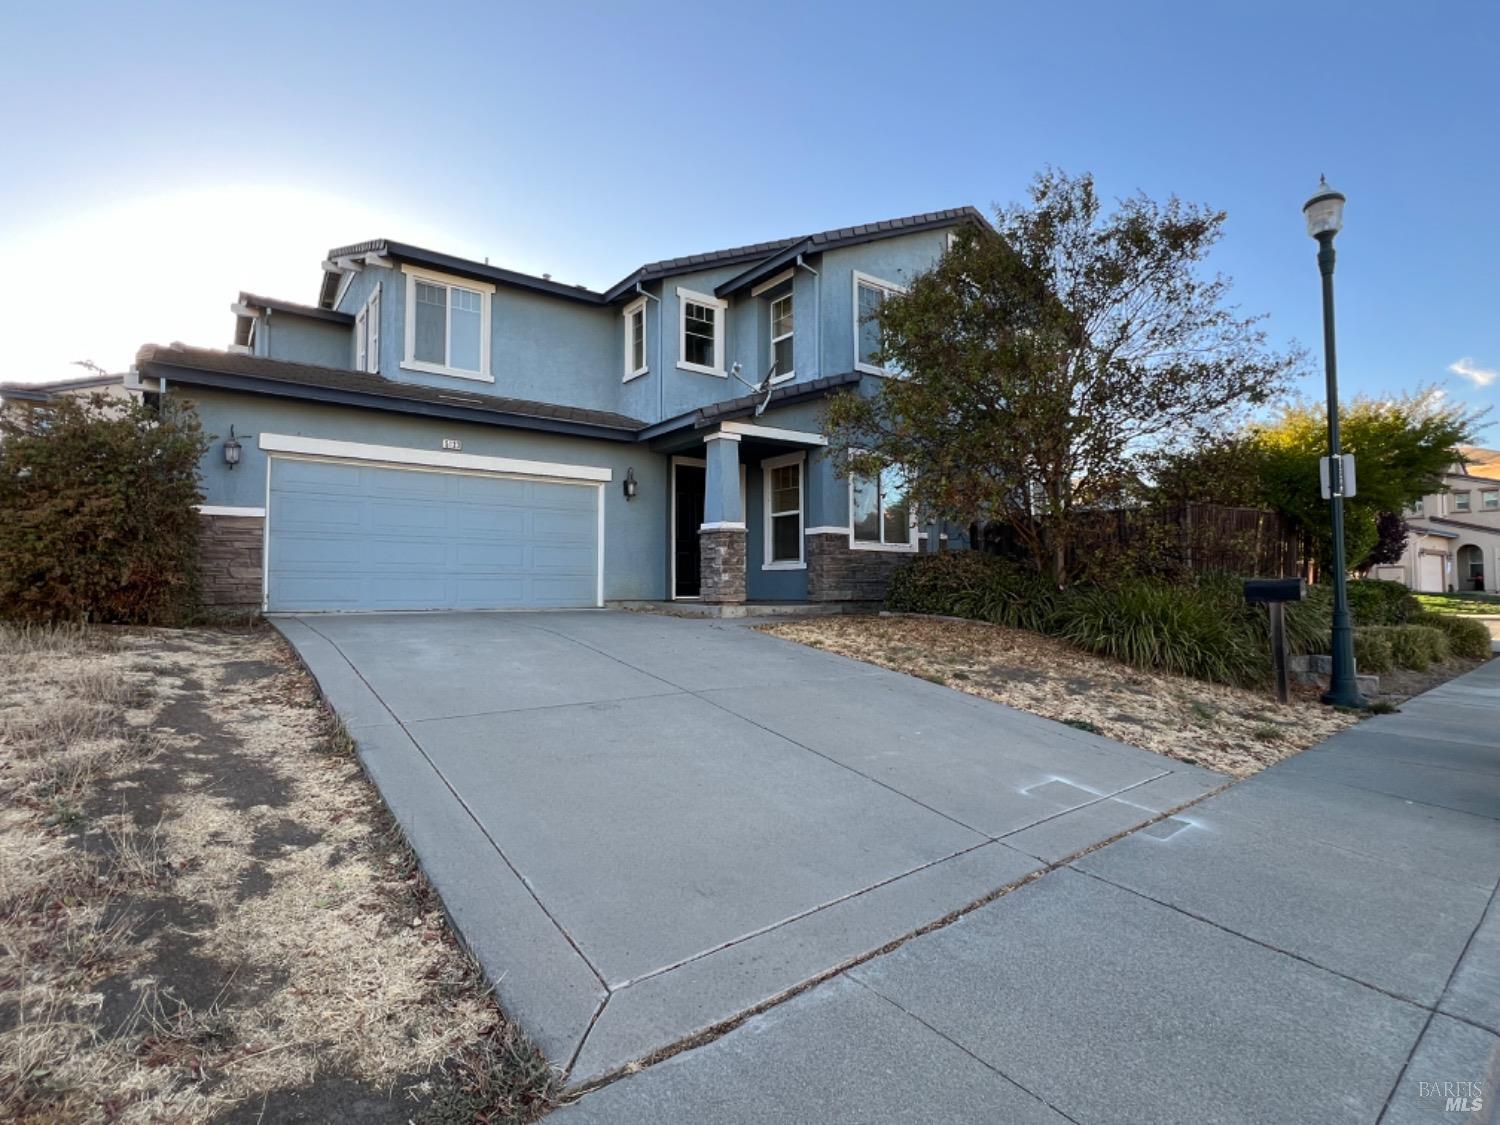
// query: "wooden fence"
[[1191, 539]]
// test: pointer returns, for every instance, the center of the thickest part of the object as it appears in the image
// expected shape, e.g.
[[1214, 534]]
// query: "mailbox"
[[1274, 593], [1267, 591]]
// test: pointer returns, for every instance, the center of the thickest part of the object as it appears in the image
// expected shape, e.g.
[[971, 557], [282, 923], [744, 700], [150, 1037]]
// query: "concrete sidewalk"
[[1317, 944]]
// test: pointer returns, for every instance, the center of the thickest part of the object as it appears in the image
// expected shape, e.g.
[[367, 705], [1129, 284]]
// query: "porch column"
[[721, 539]]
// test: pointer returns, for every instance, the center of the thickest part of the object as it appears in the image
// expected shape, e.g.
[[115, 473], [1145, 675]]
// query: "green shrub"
[[973, 584], [1372, 651], [1417, 647], [1181, 629], [1467, 639], [97, 512], [1375, 601]]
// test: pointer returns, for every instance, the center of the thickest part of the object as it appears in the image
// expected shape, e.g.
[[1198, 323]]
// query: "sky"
[[159, 158]]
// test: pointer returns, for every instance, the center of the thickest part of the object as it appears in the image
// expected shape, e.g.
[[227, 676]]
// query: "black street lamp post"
[[1325, 216]]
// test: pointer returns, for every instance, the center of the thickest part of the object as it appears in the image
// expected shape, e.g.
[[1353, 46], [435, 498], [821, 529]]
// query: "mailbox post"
[[1274, 593]]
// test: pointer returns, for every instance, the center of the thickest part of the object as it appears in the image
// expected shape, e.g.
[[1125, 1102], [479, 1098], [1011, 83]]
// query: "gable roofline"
[[43, 392], [849, 236], [449, 263], [764, 258], [235, 371]]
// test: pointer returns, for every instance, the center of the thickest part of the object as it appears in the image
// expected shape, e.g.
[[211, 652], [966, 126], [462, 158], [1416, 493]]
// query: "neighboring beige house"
[[1455, 534], [110, 386]]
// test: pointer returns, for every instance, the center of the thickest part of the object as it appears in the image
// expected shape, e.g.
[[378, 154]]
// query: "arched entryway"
[[1470, 574]]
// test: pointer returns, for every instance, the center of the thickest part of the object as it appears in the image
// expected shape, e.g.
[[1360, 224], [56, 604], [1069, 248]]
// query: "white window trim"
[[1468, 504], [800, 460], [781, 377], [1484, 499], [367, 334], [683, 297], [909, 548], [875, 283], [628, 313], [486, 292]]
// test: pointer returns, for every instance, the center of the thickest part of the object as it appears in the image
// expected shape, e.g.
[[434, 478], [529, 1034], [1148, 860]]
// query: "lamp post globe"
[[1324, 213]]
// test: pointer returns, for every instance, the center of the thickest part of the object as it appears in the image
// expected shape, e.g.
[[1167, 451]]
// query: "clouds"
[[1468, 369]]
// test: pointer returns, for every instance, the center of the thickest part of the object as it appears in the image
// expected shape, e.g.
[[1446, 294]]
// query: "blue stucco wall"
[[635, 550], [896, 260], [283, 335]]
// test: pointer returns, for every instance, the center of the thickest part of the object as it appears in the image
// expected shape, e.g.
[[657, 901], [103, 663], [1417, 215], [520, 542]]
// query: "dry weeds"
[[138, 769], [1229, 729]]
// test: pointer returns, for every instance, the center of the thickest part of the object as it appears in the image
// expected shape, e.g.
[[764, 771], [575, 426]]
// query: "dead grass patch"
[[1229, 729], [202, 901]]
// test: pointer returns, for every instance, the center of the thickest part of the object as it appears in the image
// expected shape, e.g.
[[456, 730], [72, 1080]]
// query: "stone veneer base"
[[230, 552], [837, 572], [721, 555]]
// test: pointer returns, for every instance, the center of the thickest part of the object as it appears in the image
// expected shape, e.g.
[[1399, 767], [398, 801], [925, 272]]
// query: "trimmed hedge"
[[1417, 647], [1375, 601], [1372, 651], [1467, 639]]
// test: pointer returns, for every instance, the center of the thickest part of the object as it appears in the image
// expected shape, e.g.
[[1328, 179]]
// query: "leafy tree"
[[97, 511], [1043, 359], [1402, 447], [1390, 541]]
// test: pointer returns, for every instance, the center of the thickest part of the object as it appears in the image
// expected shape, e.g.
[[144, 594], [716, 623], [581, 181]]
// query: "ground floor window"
[[880, 515], [783, 486]]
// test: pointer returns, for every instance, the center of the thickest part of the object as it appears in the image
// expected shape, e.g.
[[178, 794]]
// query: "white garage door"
[[1431, 573], [348, 536]]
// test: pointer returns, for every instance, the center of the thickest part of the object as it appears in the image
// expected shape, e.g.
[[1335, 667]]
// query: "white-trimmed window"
[[782, 324], [880, 517], [1415, 507], [447, 324], [367, 334], [1460, 501], [869, 294], [784, 511], [1489, 499], [635, 339], [701, 332]]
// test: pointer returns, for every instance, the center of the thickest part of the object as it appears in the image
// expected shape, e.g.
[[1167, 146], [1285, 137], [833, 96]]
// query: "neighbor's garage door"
[[352, 536]]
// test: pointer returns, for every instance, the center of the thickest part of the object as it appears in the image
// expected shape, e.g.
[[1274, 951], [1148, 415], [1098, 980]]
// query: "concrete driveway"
[[646, 826]]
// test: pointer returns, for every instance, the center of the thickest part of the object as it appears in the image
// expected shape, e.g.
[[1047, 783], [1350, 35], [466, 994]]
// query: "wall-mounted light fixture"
[[631, 487], [232, 450]]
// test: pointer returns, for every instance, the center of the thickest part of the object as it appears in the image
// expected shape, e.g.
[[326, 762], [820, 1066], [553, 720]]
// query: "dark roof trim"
[[717, 412], [848, 236], [255, 375], [43, 392], [1460, 523], [689, 263], [312, 312], [1433, 531], [461, 267]]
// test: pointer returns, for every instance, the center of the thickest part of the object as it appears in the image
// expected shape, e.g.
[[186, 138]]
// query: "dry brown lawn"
[[205, 912], [1229, 729]]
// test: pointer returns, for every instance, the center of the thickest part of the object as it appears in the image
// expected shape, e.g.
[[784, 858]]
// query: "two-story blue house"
[[442, 433]]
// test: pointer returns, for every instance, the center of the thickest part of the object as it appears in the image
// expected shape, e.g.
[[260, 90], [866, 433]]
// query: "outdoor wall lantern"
[[232, 450], [630, 484]]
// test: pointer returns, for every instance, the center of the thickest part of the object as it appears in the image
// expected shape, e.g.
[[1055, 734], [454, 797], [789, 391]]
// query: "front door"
[[687, 517]]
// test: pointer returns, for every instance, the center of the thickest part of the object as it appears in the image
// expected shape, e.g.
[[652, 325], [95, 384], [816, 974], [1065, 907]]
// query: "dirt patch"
[[205, 912], [1228, 729]]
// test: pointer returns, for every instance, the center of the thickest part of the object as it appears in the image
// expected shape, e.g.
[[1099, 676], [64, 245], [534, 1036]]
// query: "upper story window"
[[635, 339], [1415, 508], [1460, 501], [367, 334], [701, 324], [1489, 499], [879, 514], [447, 325], [869, 294], [781, 338]]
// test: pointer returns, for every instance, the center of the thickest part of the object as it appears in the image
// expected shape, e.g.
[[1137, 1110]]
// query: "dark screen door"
[[688, 516]]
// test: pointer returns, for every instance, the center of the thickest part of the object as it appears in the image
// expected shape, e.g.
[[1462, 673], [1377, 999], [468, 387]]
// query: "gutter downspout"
[[661, 375], [817, 316]]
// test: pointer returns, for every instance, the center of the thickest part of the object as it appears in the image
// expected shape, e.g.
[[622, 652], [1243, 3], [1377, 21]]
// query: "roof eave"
[[340, 396]]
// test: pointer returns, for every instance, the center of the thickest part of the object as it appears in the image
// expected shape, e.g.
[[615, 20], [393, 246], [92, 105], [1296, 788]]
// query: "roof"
[[717, 412], [1480, 462], [258, 375], [764, 257], [275, 304], [1446, 522], [1438, 532], [41, 392]]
